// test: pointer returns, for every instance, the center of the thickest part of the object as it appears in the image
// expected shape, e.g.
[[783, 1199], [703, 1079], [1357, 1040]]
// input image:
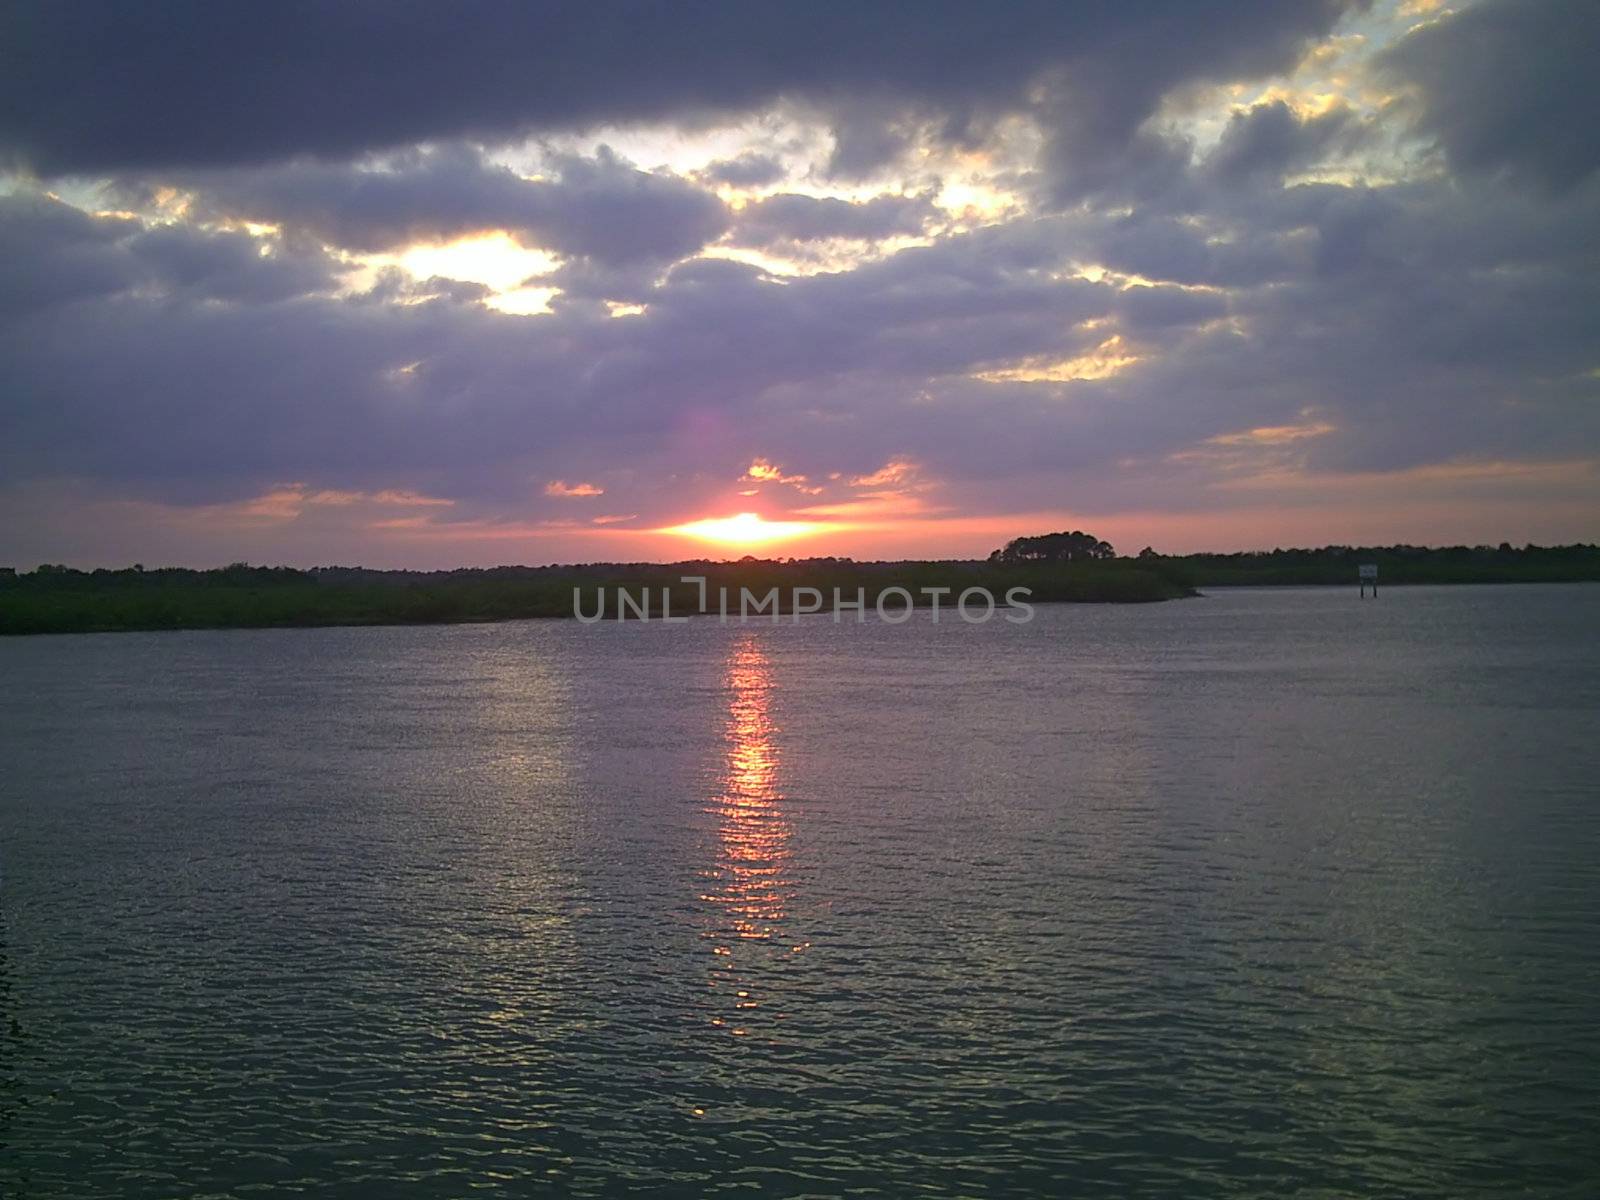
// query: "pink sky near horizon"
[[123, 533]]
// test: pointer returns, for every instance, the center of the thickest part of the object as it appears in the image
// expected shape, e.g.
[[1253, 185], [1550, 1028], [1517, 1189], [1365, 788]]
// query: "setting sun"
[[746, 529]]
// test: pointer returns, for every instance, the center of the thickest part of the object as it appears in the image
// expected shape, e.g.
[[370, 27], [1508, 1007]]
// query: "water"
[[1262, 893]]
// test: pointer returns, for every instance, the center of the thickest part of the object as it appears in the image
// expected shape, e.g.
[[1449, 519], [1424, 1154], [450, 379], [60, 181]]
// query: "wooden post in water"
[[1368, 571]]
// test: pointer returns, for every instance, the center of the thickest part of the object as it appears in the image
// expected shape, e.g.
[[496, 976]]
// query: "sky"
[[413, 285]]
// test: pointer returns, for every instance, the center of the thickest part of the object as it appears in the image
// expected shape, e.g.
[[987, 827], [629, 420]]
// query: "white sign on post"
[[1369, 570]]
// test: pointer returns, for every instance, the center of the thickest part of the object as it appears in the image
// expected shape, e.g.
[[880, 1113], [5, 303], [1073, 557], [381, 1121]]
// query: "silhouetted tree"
[[1076, 546]]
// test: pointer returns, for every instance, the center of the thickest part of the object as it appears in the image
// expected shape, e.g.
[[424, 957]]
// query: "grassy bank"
[[59, 600], [56, 600]]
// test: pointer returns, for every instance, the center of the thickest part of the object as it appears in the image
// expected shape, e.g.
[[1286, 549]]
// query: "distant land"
[[1072, 567]]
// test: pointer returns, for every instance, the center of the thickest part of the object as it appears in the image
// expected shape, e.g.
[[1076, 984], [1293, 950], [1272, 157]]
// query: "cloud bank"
[[1204, 272]]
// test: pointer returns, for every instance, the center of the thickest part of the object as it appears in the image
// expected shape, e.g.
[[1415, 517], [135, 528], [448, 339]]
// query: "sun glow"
[[495, 259], [746, 529]]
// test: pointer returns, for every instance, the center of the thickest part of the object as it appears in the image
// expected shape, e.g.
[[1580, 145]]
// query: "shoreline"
[[278, 601], [62, 600]]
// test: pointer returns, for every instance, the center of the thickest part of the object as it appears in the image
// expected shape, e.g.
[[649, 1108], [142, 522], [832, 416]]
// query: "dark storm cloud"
[[54, 253], [1147, 310], [57, 254], [1269, 140], [1180, 250], [1464, 326], [1425, 322], [793, 217], [1095, 145], [228, 265], [586, 280], [867, 138], [182, 398], [748, 170], [98, 86], [601, 208], [1508, 85]]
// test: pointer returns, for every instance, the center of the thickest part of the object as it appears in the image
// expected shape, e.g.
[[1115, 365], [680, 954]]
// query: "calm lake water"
[[1272, 892]]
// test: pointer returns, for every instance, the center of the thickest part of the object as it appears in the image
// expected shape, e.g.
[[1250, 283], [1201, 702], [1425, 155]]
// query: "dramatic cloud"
[[601, 207], [346, 282], [56, 254], [1508, 85], [812, 218], [198, 83], [748, 170], [1267, 141]]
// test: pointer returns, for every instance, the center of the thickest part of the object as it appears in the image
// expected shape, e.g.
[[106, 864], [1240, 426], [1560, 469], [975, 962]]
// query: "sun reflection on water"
[[750, 880], [753, 834]]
